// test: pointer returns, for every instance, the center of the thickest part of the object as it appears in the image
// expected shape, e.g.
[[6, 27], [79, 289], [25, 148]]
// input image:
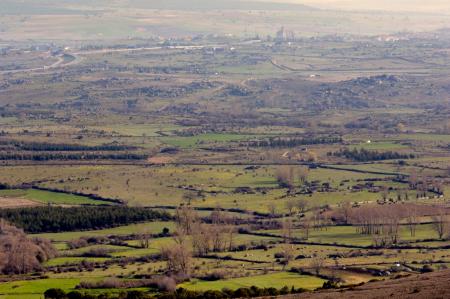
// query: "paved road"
[[78, 56]]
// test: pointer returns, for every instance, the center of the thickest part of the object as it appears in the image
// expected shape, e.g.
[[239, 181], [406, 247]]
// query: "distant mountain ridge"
[[15, 7], [216, 4]]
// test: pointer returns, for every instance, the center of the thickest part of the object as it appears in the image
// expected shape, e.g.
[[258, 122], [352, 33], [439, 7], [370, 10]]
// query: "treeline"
[[45, 156], [180, 293], [363, 155], [55, 147], [58, 219], [293, 142]]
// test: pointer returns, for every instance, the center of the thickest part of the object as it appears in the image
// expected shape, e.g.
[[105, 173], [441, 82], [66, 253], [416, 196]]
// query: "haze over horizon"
[[432, 6]]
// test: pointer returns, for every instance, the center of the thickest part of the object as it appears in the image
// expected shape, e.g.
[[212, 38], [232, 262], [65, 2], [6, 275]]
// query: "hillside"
[[72, 7], [429, 285]]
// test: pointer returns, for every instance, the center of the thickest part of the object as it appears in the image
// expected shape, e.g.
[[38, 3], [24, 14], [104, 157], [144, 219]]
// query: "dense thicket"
[[43, 146], [179, 294], [292, 142], [239, 293], [58, 219], [363, 155], [46, 156]]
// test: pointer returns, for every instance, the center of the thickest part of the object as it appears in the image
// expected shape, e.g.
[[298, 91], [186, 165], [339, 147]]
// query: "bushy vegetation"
[[46, 156], [293, 141], [58, 219], [363, 155], [178, 294], [42, 146], [20, 254]]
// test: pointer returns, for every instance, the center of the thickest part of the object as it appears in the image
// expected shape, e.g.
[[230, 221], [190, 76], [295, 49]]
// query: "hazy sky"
[[437, 6]]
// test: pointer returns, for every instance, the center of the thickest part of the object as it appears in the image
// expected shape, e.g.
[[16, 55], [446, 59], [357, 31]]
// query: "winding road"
[[78, 56]]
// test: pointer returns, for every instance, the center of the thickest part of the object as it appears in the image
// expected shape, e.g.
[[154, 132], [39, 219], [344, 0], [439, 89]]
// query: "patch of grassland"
[[150, 227], [380, 146], [48, 197], [277, 280], [347, 235], [424, 137], [35, 288], [198, 140], [137, 130]]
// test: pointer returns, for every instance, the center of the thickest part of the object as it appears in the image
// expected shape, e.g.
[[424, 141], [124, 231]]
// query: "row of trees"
[[293, 142], [214, 236], [423, 183], [49, 156], [58, 219], [383, 222], [363, 155], [20, 254], [50, 147], [288, 176], [178, 294]]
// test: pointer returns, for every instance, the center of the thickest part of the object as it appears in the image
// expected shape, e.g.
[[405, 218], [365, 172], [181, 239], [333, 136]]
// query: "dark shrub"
[[166, 284], [136, 295], [329, 285], [55, 294], [426, 268], [75, 295]]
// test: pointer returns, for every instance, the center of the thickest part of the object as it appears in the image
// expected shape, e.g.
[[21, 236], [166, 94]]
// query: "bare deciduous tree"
[[179, 258], [20, 254], [290, 205], [231, 230], [412, 219], [303, 172], [440, 224], [185, 218], [302, 205], [272, 208], [306, 226], [346, 209], [287, 230], [201, 239], [288, 251], [144, 239], [217, 237], [317, 263], [285, 177], [189, 197]]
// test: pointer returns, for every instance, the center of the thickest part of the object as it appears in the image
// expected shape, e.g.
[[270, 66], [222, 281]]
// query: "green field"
[[150, 227], [49, 197], [205, 139], [277, 280], [35, 288], [347, 235]]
